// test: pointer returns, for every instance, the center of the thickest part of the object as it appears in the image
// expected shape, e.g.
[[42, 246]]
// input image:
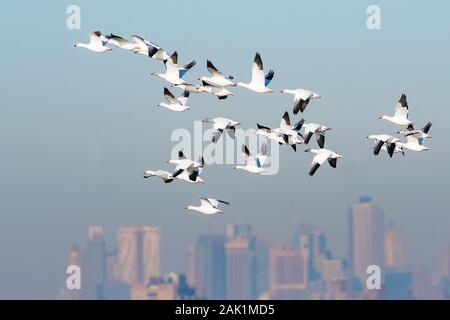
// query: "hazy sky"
[[78, 128]]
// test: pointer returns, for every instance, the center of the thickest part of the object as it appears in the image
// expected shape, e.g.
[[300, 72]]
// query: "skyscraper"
[[240, 261], [312, 238], [288, 272], [138, 254], [210, 267], [95, 263], [394, 249], [366, 238]]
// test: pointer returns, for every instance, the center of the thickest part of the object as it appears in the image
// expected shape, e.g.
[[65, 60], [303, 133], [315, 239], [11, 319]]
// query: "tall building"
[[240, 269], [394, 249], [210, 267], [190, 273], [288, 272], [138, 254], [312, 238], [366, 238], [95, 263]]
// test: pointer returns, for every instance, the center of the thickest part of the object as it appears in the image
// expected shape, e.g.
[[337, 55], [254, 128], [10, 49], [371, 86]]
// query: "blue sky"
[[79, 128]]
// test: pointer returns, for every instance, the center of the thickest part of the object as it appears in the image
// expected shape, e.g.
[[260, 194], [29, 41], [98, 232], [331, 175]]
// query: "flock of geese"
[[286, 134]]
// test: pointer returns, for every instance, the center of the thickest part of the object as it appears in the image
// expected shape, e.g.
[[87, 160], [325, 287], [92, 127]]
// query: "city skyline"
[[229, 265]]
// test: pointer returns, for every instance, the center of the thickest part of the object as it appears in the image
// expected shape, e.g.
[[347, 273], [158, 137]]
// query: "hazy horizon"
[[79, 128]]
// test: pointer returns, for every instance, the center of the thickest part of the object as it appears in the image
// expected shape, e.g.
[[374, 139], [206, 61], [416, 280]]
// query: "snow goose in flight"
[[147, 48], [186, 169], [120, 42], [400, 116], [221, 124], [191, 175], [217, 78], [173, 73], [259, 81], [164, 175], [178, 104], [97, 43], [321, 156], [270, 134], [252, 164], [220, 92], [287, 128], [413, 144], [318, 130], [419, 134], [384, 139], [301, 98], [189, 87], [208, 206]]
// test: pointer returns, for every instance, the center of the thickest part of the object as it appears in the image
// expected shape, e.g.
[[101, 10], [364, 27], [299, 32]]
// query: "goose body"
[[147, 48], [318, 130], [220, 92], [164, 175], [220, 125], [175, 104], [172, 73], [322, 155], [400, 116], [216, 78], [252, 165], [259, 81], [384, 139], [413, 144], [208, 206], [419, 134], [97, 43], [301, 98], [120, 42]]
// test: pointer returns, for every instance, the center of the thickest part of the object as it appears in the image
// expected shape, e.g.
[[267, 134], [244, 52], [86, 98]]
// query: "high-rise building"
[[366, 238], [190, 273], [446, 263], [138, 254], [210, 267], [95, 263], [288, 272], [240, 269], [312, 238], [394, 249]]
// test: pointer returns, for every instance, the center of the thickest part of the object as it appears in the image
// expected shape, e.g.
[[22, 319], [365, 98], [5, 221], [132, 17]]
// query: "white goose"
[[147, 48], [419, 134], [217, 78], [221, 124], [270, 134], [208, 206], [253, 165], [189, 87], [97, 43], [400, 116], [259, 81], [287, 128], [186, 169], [173, 73], [384, 139], [120, 42], [413, 144], [321, 156], [164, 175], [318, 130], [175, 104], [220, 92], [301, 98]]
